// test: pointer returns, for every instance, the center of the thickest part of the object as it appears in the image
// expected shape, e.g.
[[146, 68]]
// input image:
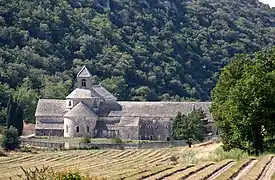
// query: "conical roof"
[[80, 110], [84, 72]]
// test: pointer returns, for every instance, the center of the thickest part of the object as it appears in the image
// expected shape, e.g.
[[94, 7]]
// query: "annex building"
[[91, 110]]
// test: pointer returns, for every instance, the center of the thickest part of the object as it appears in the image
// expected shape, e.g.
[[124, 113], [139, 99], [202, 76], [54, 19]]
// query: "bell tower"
[[84, 79]]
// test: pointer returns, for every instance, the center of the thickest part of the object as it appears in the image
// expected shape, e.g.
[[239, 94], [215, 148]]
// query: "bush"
[[174, 159], [11, 139], [86, 140], [117, 140], [189, 157], [220, 154], [46, 173], [2, 154]]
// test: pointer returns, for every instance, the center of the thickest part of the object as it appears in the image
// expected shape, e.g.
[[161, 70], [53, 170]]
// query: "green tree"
[[11, 139], [15, 116], [189, 128], [243, 102], [27, 98]]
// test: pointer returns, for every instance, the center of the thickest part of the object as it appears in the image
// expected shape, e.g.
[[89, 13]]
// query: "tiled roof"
[[80, 110], [162, 109], [129, 121], [50, 107], [49, 126], [79, 93], [84, 72], [104, 93]]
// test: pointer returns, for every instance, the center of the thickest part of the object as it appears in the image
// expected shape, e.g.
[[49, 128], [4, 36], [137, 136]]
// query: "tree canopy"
[[140, 49], [243, 103], [191, 127]]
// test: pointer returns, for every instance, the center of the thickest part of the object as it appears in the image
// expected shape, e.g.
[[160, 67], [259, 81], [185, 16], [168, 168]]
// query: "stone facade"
[[90, 110]]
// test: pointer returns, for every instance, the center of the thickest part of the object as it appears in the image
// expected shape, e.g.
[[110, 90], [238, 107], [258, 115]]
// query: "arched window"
[[88, 129], [70, 103], [77, 129], [83, 83], [151, 137]]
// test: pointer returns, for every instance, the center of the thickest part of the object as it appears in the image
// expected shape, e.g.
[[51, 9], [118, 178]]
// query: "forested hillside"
[[138, 49]]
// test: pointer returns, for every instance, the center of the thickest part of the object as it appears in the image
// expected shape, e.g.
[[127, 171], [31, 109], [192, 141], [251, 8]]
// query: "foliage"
[[11, 139], [117, 140], [15, 116], [220, 154], [189, 157], [140, 50], [86, 140], [244, 100], [189, 128], [2, 154], [47, 173]]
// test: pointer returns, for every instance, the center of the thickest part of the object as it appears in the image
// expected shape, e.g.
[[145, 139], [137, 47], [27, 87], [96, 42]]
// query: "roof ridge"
[[84, 72]]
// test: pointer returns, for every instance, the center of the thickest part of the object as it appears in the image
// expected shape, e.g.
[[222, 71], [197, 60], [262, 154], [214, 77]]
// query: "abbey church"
[[91, 110]]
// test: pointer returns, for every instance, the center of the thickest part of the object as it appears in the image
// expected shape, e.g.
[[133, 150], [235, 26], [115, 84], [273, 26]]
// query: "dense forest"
[[138, 49]]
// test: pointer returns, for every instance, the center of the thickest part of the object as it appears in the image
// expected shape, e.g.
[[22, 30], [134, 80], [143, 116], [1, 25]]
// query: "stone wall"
[[84, 126], [155, 129], [129, 132], [44, 144], [49, 132]]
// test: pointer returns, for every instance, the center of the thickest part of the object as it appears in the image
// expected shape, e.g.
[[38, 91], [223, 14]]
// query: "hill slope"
[[139, 49]]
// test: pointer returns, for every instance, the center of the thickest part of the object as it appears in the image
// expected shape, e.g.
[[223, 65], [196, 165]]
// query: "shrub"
[[117, 140], [189, 157], [220, 154], [47, 173], [2, 154], [11, 139], [86, 140], [174, 159]]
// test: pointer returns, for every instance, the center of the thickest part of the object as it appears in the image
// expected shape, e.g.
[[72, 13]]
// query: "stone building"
[[91, 110]]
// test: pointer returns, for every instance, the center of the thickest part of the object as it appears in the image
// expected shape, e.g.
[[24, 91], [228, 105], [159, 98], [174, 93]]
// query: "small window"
[[70, 103], [157, 127], [168, 139], [88, 129], [77, 129], [166, 126], [67, 128], [149, 126], [83, 83], [151, 137]]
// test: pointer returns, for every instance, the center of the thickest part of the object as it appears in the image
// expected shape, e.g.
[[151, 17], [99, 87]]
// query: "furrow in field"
[[168, 173], [207, 172], [116, 161], [135, 168], [188, 172], [234, 170], [269, 171], [261, 168], [220, 171], [243, 172]]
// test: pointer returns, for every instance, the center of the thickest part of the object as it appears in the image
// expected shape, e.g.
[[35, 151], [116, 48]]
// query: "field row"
[[138, 164]]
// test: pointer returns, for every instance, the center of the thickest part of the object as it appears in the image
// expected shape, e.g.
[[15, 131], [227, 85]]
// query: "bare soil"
[[245, 170], [269, 170], [218, 173]]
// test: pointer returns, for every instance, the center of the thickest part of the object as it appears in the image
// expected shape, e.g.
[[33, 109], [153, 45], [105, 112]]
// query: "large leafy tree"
[[190, 128], [243, 103]]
